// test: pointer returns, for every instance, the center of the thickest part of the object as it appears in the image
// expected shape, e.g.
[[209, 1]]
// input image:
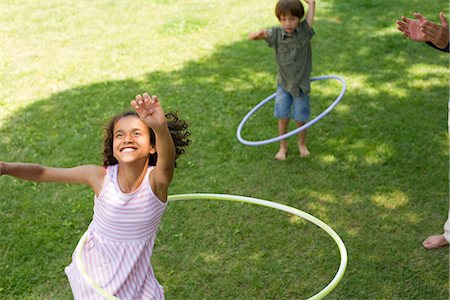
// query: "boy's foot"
[[281, 154], [304, 152], [434, 242]]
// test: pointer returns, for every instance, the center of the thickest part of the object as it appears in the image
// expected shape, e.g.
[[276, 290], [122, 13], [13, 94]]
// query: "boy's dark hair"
[[176, 126], [293, 7]]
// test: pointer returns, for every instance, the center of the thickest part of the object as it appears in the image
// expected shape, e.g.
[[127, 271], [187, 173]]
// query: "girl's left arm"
[[165, 165], [311, 12], [151, 112]]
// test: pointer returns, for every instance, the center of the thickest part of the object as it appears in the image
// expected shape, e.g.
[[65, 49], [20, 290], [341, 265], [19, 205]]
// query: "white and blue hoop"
[[295, 131], [321, 294]]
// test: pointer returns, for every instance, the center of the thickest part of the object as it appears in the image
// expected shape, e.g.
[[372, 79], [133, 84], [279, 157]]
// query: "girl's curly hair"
[[177, 128]]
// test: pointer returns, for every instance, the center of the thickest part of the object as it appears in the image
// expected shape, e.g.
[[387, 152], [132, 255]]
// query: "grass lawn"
[[377, 174]]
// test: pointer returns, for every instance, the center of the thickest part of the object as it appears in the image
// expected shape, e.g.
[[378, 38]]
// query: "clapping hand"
[[422, 30]]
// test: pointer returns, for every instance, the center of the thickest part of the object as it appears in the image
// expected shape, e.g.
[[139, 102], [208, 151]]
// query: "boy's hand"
[[263, 34], [149, 110], [258, 35]]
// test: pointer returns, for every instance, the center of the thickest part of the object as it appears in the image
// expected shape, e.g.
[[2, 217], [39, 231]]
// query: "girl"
[[140, 149]]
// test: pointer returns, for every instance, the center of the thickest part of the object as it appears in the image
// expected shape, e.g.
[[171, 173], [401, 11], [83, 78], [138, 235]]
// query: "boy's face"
[[289, 22]]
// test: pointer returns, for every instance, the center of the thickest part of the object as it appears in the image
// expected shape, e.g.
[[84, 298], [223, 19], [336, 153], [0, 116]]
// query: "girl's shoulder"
[[94, 169], [96, 175]]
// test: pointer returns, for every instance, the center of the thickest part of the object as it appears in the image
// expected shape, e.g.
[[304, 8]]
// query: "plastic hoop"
[[324, 292], [295, 131], [82, 269]]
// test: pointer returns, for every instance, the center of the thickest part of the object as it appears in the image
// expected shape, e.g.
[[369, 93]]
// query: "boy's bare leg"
[[434, 242], [304, 152], [282, 129]]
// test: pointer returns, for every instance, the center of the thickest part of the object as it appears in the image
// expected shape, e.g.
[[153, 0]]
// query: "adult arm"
[[445, 49]]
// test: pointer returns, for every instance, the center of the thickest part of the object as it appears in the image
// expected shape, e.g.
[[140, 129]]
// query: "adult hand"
[[412, 28], [436, 33]]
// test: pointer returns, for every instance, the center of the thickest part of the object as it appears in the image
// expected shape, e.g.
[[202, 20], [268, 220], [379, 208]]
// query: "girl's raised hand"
[[149, 110]]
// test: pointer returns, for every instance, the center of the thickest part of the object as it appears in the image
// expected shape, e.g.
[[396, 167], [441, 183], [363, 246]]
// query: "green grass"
[[378, 173]]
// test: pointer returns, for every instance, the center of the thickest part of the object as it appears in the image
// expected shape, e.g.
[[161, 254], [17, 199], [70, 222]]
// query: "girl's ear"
[[153, 150]]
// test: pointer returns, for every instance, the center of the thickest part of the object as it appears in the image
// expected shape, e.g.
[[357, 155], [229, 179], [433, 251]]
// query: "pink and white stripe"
[[120, 241]]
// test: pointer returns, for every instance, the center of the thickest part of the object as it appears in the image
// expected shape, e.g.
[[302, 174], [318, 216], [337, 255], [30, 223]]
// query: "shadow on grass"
[[377, 173]]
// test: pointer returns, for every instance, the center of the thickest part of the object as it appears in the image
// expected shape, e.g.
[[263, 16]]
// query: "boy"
[[292, 44]]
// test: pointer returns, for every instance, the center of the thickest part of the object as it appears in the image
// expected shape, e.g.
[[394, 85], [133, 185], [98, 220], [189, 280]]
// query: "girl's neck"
[[130, 176]]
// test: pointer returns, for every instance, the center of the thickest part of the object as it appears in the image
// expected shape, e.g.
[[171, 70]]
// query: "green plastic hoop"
[[234, 198], [82, 269]]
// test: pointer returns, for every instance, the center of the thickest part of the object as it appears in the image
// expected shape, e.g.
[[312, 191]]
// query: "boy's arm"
[[88, 174], [258, 35], [151, 112], [311, 12]]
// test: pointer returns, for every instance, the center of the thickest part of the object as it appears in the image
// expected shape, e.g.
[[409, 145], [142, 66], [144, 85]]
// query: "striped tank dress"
[[120, 242]]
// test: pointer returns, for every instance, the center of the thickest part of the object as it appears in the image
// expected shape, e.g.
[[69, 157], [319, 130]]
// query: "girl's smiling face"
[[131, 140]]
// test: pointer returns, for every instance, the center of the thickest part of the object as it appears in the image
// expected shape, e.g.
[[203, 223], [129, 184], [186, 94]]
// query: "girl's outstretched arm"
[[151, 112], [88, 174], [311, 12]]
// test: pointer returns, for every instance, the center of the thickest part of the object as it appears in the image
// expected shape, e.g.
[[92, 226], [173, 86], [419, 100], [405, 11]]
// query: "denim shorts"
[[290, 107]]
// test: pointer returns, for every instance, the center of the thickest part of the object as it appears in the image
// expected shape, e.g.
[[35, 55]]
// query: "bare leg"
[[434, 242], [304, 152], [282, 129]]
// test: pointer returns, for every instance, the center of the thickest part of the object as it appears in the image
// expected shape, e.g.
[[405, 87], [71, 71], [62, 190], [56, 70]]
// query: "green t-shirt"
[[294, 57]]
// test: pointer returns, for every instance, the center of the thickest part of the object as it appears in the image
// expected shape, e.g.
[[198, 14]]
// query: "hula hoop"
[[324, 292], [82, 269], [295, 131]]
